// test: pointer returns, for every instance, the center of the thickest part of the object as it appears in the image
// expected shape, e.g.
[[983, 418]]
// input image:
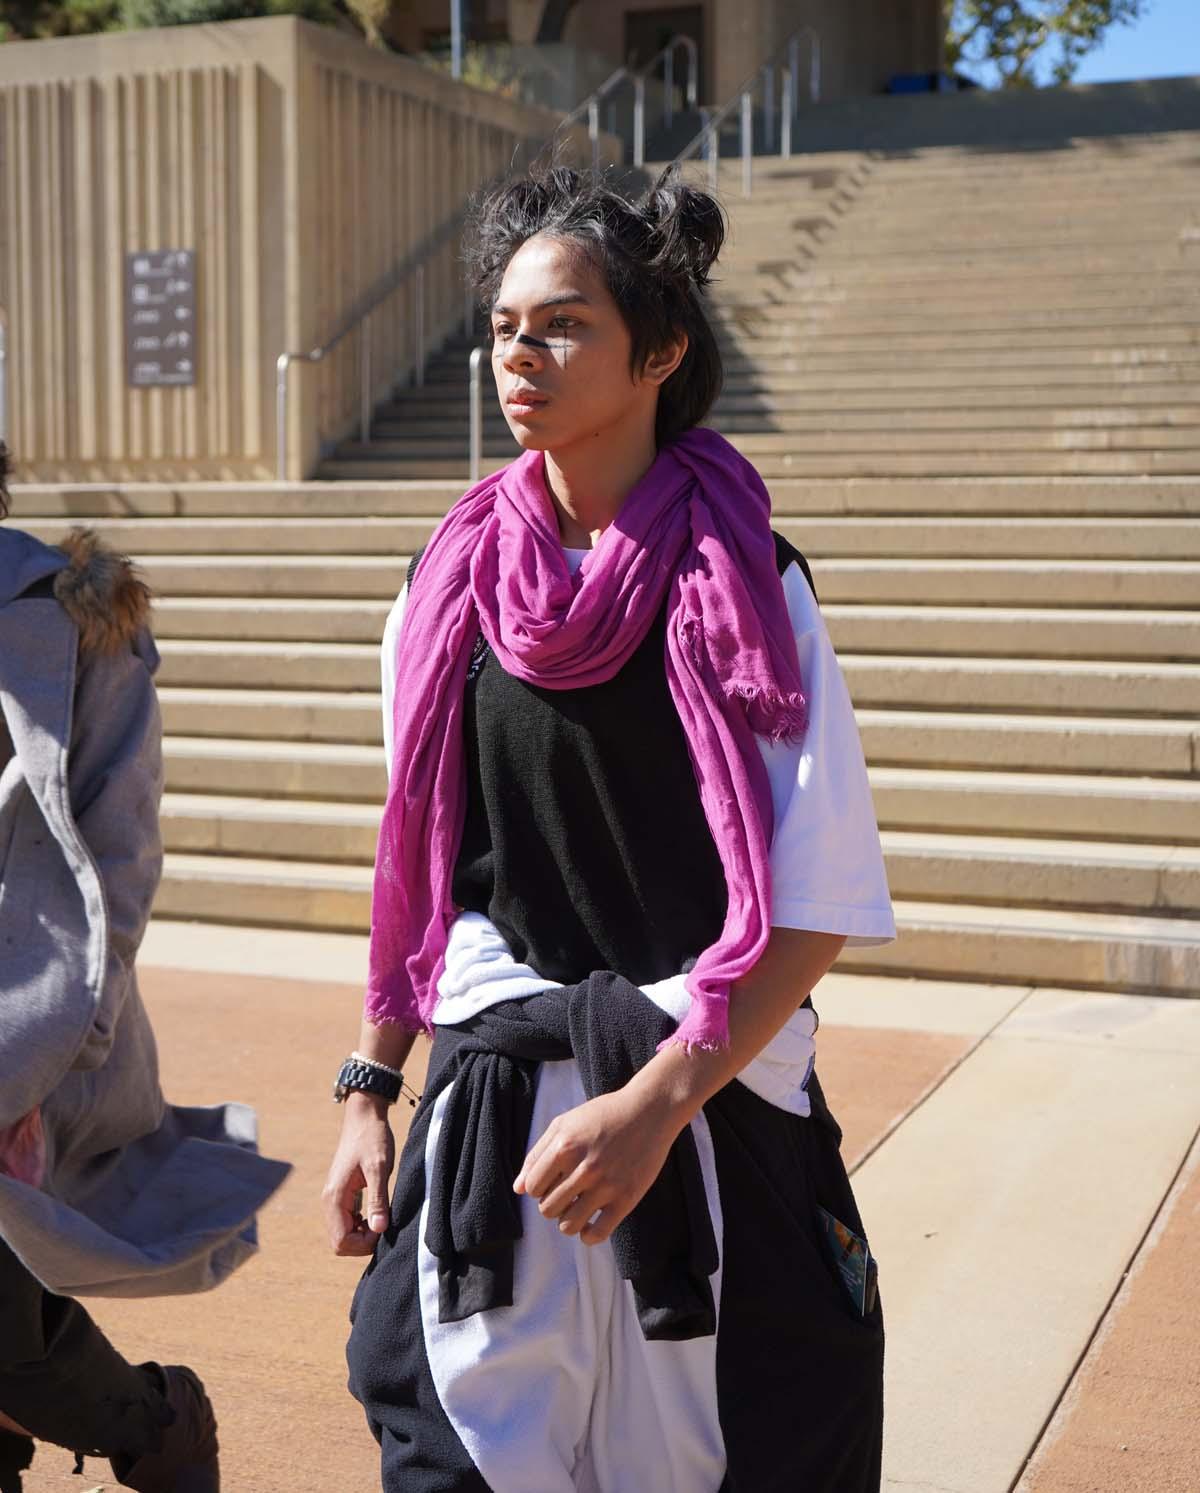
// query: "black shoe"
[[186, 1459], [16, 1454]]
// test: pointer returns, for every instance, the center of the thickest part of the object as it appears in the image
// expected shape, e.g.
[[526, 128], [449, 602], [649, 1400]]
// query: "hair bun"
[[687, 227]]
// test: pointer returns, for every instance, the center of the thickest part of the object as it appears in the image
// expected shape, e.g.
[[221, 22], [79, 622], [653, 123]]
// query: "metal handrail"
[[709, 139], [412, 265], [475, 398], [666, 55]]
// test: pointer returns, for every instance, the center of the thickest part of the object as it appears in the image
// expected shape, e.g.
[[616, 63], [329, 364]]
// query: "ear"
[[661, 365]]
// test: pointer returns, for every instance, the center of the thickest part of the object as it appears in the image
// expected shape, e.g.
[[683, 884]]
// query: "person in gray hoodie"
[[105, 1189]]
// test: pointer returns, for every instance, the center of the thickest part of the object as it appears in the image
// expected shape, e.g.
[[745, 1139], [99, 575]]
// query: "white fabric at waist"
[[481, 972]]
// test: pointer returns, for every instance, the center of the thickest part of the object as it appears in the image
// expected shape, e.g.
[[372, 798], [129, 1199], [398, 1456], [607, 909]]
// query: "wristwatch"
[[362, 1075]]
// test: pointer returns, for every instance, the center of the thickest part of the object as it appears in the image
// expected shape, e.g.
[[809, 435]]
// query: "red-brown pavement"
[[269, 1343], [1130, 1422]]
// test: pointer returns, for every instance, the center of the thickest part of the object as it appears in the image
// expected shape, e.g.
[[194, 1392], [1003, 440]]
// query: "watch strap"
[[359, 1075]]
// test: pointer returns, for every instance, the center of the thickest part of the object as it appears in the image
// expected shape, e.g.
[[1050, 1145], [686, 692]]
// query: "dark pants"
[[64, 1382], [799, 1373]]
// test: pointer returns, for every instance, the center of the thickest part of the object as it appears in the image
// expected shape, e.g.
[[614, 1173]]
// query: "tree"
[[32, 20], [1011, 35], [136, 14]]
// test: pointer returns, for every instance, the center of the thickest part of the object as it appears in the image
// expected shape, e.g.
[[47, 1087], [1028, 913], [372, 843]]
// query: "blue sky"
[[1165, 43]]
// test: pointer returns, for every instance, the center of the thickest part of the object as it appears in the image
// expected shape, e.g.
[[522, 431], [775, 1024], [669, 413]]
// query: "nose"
[[521, 353]]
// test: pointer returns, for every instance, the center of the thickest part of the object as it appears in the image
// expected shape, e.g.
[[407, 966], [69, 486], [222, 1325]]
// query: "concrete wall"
[[300, 165]]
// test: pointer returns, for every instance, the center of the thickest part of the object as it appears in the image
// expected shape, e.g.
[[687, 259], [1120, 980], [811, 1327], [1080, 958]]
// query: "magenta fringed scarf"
[[696, 529]]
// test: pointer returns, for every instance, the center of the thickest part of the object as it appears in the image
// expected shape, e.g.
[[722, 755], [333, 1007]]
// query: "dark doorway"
[[648, 31]]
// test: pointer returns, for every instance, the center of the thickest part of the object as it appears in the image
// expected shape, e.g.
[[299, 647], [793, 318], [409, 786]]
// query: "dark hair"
[[655, 255], [4, 465]]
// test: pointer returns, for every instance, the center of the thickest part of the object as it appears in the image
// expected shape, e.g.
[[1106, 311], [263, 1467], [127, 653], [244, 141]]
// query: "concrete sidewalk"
[[1026, 1163]]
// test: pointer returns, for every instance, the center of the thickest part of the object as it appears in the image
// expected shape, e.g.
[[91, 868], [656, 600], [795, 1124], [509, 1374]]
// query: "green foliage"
[[136, 14], [33, 20], [1012, 35]]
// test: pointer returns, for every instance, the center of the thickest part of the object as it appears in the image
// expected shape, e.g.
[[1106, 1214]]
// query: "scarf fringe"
[[778, 717]]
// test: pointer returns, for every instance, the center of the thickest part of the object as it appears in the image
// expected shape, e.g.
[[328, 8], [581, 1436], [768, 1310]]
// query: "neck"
[[588, 482]]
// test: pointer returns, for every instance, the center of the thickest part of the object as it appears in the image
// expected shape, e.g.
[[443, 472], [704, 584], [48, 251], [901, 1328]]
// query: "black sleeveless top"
[[585, 841]]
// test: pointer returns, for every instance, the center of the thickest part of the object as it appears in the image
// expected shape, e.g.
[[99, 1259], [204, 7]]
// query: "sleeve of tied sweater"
[[115, 776]]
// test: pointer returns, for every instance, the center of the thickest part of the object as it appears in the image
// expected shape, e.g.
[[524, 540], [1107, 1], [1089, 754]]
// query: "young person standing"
[[628, 830]]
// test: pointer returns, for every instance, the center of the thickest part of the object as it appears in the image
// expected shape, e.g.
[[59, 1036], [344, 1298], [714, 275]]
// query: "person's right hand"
[[362, 1165]]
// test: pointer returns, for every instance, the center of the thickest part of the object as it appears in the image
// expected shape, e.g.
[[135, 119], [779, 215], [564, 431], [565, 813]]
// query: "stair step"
[[819, 536], [271, 619], [1054, 687], [228, 664], [1027, 743], [1058, 805], [956, 631], [275, 769], [1029, 632], [1137, 404], [920, 464], [1092, 497], [1093, 951], [377, 577], [293, 829], [942, 940], [969, 582], [1008, 871], [775, 429], [265, 893], [278, 715]]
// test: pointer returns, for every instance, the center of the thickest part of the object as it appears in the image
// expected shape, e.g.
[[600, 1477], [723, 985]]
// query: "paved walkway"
[[1027, 1163]]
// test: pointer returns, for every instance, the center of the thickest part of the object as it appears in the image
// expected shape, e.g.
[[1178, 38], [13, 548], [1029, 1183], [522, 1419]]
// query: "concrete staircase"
[[972, 381]]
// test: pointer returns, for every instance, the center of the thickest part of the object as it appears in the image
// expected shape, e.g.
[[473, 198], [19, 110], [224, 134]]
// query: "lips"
[[525, 399]]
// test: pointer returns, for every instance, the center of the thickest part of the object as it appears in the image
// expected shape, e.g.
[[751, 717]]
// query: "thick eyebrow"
[[571, 298]]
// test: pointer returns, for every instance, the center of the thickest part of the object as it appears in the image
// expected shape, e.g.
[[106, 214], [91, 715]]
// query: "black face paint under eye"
[[531, 341]]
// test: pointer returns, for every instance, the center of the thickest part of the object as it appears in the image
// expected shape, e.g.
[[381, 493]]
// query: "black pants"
[[63, 1381], [799, 1374]]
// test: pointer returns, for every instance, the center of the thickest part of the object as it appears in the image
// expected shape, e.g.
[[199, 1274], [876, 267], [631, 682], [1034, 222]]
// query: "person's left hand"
[[598, 1158]]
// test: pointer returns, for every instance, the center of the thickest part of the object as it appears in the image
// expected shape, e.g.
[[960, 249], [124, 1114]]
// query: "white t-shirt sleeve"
[[827, 867], [387, 661]]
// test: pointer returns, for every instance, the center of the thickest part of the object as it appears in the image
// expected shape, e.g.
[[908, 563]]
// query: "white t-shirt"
[[827, 870]]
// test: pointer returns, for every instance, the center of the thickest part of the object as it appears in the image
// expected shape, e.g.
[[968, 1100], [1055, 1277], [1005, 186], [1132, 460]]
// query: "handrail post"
[[475, 446], [768, 77], [794, 70], [639, 120], [712, 147], [364, 381], [594, 133], [669, 86], [814, 76], [282, 363], [747, 143], [785, 116], [693, 82], [420, 319]]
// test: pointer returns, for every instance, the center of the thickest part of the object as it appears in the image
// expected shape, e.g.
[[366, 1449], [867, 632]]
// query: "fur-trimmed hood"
[[100, 590]]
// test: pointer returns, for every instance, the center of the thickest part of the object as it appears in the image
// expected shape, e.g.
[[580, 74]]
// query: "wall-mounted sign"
[[160, 317]]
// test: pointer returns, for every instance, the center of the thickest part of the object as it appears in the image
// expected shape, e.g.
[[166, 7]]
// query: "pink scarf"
[[695, 529]]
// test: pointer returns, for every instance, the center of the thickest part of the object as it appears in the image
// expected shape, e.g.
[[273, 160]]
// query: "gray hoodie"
[[140, 1197]]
